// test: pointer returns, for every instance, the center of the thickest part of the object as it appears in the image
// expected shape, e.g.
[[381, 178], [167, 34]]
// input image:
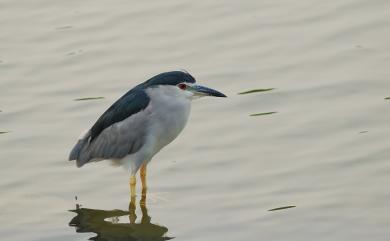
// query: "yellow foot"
[[132, 207]]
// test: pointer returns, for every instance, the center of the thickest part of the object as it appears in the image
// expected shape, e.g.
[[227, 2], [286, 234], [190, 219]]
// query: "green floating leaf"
[[281, 208], [255, 90], [3, 132], [89, 98], [264, 113], [387, 98]]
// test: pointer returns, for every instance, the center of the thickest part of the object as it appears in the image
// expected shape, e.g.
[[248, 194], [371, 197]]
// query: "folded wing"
[[118, 132]]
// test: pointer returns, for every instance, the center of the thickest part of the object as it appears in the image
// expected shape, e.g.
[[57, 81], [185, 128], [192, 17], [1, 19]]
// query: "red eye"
[[182, 86]]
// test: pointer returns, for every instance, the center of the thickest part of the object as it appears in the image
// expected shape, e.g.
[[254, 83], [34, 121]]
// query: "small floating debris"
[[264, 113], [281, 208], [387, 98], [362, 132], [64, 27], [255, 91], [75, 52], [89, 98], [4, 132]]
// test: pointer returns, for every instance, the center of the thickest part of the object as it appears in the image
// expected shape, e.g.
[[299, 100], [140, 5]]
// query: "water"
[[325, 150]]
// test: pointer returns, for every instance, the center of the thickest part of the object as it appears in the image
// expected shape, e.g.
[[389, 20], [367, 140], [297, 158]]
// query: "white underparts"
[[166, 116]]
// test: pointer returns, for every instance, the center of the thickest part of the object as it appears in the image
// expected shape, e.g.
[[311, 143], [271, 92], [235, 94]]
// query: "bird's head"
[[182, 83]]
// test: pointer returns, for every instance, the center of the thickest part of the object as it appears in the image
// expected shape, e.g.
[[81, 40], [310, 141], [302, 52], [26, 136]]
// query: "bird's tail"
[[76, 153]]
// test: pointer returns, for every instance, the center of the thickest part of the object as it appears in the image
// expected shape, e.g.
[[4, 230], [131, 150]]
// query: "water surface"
[[325, 151]]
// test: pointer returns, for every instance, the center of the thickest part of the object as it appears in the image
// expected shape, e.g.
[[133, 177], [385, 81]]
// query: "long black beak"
[[205, 91]]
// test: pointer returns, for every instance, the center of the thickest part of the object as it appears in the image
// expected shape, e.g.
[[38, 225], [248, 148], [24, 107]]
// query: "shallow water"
[[325, 150]]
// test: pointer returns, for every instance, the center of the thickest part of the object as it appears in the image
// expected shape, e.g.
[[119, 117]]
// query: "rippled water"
[[325, 150]]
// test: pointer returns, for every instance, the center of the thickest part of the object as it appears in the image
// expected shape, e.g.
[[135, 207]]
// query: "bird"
[[140, 123]]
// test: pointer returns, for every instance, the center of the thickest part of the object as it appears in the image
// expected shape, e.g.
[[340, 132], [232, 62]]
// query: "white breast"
[[170, 108]]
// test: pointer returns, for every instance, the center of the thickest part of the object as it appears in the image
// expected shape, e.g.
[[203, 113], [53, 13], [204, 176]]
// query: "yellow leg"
[[143, 182], [143, 176], [132, 186]]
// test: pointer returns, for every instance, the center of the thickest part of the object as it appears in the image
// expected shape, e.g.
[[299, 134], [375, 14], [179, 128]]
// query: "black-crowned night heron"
[[140, 123]]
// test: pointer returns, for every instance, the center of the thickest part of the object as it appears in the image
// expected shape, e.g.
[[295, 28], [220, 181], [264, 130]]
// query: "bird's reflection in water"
[[93, 220]]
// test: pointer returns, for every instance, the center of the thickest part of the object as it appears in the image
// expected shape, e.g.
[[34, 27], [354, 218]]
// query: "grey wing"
[[114, 142]]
